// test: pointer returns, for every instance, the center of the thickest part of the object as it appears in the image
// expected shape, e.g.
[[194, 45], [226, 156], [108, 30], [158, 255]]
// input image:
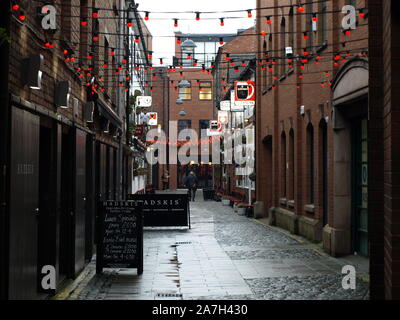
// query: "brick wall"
[[278, 111], [29, 38]]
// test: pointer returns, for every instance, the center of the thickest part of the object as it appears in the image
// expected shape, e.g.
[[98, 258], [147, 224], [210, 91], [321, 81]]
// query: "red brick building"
[[311, 122], [191, 106], [384, 219], [63, 140], [235, 61]]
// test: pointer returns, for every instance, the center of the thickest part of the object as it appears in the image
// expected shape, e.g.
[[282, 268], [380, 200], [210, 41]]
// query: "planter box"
[[241, 211]]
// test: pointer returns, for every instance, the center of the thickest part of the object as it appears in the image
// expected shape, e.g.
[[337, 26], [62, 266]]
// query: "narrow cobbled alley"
[[223, 256]]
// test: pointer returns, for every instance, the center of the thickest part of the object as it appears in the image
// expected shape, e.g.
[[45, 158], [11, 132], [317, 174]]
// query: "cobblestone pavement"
[[223, 257]]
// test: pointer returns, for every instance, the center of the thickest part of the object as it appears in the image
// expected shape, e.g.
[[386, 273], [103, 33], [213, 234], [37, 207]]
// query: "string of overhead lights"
[[300, 8], [198, 14]]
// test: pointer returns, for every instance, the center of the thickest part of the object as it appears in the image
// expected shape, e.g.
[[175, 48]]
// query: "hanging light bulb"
[[197, 16], [105, 65], [84, 22], [21, 16], [112, 52], [189, 56], [306, 36], [95, 13], [249, 14], [347, 32], [236, 69], [195, 62], [314, 17], [161, 61], [300, 9], [221, 41], [95, 37], [176, 23], [146, 16], [228, 57], [129, 23], [268, 21], [150, 55], [15, 6], [222, 22], [178, 40], [137, 40], [361, 13]]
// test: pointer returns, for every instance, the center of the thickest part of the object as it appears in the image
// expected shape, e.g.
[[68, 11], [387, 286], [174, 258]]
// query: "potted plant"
[[253, 177]]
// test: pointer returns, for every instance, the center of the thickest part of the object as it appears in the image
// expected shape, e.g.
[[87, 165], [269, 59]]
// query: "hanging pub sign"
[[120, 236], [245, 93], [153, 120]]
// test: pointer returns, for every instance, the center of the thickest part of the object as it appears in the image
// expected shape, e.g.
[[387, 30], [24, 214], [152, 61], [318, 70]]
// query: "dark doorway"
[[67, 200], [324, 170], [360, 187], [47, 218], [24, 205], [79, 212], [267, 168], [90, 197]]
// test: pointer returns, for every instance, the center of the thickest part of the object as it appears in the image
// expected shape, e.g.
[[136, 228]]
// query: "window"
[[291, 165], [185, 54], [310, 163], [291, 28], [186, 92], [66, 20], [203, 125], [283, 45], [83, 34], [106, 61], [283, 165], [309, 26], [205, 90], [322, 23], [184, 124]]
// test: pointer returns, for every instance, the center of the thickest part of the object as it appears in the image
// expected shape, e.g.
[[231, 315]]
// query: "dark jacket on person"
[[191, 182]]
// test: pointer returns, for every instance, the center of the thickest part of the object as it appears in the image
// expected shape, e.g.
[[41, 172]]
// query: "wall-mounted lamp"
[[62, 94], [88, 111], [31, 73]]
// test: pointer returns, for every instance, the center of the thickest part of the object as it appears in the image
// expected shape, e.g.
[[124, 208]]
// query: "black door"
[[24, 176], [80, 202], [66, 251], [360, 187], [324, 138], [90, 196], [47, 219]]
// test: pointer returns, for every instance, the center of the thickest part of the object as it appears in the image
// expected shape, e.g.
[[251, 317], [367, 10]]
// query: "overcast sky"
[[161, 25]]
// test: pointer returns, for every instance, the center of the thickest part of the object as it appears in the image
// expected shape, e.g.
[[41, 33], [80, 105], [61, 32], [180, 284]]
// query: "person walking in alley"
[[191, 184], [165, 180]]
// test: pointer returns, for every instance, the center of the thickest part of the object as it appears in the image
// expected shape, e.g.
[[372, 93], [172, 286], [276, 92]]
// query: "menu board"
[[120, 236]]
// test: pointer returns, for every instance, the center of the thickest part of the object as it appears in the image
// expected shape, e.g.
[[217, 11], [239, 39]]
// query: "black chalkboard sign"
[[120, 236], [163, 210]]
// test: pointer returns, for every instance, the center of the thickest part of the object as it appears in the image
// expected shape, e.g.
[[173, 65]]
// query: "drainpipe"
[[4, 148]]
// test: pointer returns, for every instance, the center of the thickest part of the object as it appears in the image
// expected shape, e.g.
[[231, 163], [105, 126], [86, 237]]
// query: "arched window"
[[291, 165], [310, 164], [283, 166]]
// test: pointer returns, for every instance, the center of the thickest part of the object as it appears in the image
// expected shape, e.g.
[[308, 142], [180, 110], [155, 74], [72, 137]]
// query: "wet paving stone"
[[320, 287], [223, 256], [275, 254]]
